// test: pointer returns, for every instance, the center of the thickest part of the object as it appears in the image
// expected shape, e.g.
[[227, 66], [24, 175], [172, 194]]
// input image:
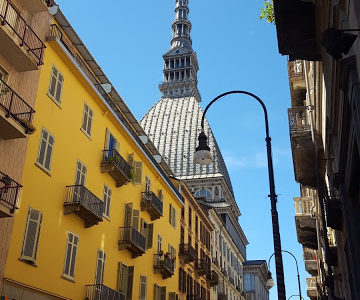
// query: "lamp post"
[[295, 296], [203, 156], [297, 270]]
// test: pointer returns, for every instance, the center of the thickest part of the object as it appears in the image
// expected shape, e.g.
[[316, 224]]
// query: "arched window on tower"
[[203, 193]]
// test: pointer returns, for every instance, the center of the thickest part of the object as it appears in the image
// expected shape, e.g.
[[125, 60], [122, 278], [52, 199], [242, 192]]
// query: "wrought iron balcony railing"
[[117, 167], [85, 204], [16, 107], [10, 17], [299, 119], [165, 265], [132, 240], [102, 292], [213, 278], [188, 253], [152, 204], [9, 194], [202, 267]]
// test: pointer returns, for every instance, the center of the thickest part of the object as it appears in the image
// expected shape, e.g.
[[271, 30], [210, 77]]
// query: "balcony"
[[132, 240], [334, 215], [85, 204], [312, 291], [15, 114], [102, 292], [302, 145], [21, 47], [310, 259], [187, 253], [152, 204], [213, 278], [165, 265], [305, 222], [116, 166], [202, 267], [296, 74], [9, 194]]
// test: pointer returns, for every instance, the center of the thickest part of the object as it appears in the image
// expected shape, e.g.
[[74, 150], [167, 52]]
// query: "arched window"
[[203, 193]]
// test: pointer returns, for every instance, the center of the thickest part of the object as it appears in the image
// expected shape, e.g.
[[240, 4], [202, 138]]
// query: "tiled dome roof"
[[173, 125]]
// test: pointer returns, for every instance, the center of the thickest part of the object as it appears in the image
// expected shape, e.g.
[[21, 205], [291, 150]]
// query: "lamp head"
[[202, 154], [270, 281], [337, 42]]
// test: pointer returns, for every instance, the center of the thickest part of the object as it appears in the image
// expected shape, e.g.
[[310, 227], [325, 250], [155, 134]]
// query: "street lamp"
[[203, 156], [295, 296], [297, 270]]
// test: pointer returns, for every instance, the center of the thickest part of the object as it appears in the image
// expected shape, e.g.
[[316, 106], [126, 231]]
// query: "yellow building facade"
[[98, 215]]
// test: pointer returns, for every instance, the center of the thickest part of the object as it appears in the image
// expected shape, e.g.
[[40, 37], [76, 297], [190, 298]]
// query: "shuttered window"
[[172, 216], [107, 200], [125, 280], [31, 236], [87, 120], [142, 288], [147, 231], [56, 85], [45, 150], [137, 166], [70, 257], [160, 292]]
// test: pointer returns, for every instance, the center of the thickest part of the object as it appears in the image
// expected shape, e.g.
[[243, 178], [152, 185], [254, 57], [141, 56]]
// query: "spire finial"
[[181, 27], [180, 63]]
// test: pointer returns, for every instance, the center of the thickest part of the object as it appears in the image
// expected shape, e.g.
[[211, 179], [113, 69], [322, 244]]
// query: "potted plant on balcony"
[[29, 128]]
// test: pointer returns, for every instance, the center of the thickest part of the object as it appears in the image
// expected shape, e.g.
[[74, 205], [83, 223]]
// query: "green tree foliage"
[[268, 12]]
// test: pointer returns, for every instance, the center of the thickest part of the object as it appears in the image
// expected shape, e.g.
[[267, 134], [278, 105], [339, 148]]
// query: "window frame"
[[64, 275], [86, 129], [42, 165], [107, 200], [53, 97]]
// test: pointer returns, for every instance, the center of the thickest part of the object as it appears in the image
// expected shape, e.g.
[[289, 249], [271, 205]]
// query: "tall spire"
[[181, 27], [180, 63]]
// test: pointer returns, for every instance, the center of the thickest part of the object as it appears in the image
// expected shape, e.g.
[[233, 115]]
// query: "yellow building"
[[98, 214], [196, 277]]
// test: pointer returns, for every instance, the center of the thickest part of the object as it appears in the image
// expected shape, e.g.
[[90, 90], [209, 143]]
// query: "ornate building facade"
[[324, 131], [173, 125]]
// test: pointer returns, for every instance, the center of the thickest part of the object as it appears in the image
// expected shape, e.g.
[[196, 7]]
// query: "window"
[[147, 185], [125, 280], [80, 173], [70, 257], [203, 193], [45, 150], [100, 266], [137, 169], [31, 235], [172, 252], [87, 120], [172, 216], [131, 216], [172, 296], [196, 226], [111, 142], [147, 231], [160, 292], [56, 84], [107, 199], [249, 281], [142, 292]]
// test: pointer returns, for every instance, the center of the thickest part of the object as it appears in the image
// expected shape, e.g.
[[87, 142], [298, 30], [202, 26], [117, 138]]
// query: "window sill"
[[47, 172], [53, 99], [28, 262], [66, 277], [87, 135]]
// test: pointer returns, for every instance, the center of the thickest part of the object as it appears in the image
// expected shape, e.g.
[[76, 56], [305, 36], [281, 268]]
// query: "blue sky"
[[235, 51]]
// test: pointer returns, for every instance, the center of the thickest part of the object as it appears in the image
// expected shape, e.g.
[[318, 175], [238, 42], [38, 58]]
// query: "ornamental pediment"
[[177, 51]]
